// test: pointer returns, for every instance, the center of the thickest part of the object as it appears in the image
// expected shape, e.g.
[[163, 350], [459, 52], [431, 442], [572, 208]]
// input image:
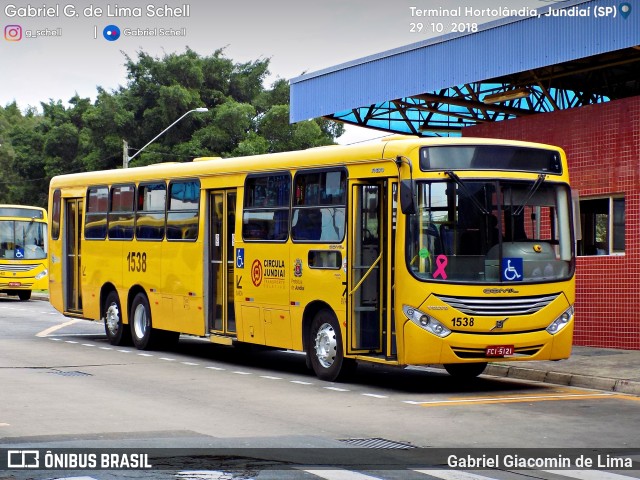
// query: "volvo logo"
[[499, 324], [490, 291]]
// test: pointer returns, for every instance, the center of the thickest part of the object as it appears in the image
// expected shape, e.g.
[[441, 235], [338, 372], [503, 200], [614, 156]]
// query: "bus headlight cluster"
[[425, 321], [560, 322], [42, 274]]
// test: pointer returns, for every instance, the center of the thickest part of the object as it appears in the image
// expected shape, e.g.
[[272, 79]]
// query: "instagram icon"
[[13, 33]]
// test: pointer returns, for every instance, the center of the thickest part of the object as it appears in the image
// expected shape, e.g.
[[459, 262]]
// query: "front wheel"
[[325, 348], [24, 295], [465, 370]]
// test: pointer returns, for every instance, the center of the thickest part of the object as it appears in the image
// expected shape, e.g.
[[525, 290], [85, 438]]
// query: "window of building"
[[266, 207], [182, 210], [602, 226], [121, 212]]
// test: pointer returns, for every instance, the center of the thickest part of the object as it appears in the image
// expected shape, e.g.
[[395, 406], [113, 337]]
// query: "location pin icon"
[[624, 9]]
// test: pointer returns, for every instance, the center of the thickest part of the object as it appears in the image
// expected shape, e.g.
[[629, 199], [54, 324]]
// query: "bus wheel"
[[325, 348], [141, 330], [117, 332], [24, 295], [465, 370]]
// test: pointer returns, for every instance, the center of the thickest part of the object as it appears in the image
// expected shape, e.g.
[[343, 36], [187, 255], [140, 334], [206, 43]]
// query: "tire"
[[465, 370], [325, 348], [117, 332], [24, 295], [142, 331]]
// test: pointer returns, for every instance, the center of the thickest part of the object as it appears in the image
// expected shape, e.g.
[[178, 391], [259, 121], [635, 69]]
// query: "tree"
[[244, 118]]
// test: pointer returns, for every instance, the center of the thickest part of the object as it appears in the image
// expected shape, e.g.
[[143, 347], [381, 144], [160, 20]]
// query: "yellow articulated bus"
[[23, 250], [405, 252]]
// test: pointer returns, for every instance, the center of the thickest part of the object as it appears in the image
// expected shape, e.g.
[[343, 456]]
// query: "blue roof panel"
[[499, 48]]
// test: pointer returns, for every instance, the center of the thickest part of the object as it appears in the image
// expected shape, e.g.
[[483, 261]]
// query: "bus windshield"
[[491, 231], [22, 240]]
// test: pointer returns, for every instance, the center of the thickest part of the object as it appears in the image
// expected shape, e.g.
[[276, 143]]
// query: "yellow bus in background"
[[405, 252], [23, 250]]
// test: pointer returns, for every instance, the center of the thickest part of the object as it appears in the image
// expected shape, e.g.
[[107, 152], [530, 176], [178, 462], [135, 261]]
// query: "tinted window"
[[182, 213], [121, 212], [150, 215]]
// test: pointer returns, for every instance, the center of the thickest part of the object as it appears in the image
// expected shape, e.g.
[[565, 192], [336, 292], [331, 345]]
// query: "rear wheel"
[[465, 370], [117, 332], [325, 348], [24, 295], [140, 321]]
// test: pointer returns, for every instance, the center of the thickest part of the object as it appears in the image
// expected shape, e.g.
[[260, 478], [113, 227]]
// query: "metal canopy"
[[508, 69]]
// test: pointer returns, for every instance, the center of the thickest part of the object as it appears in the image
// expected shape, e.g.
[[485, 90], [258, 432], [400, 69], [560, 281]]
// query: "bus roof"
[[386, 149]]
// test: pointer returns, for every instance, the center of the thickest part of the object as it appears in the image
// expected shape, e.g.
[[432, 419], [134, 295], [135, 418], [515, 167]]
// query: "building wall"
[[602, 143]]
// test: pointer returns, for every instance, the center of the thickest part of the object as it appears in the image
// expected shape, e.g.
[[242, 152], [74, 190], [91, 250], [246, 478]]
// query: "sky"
[[72, 55]]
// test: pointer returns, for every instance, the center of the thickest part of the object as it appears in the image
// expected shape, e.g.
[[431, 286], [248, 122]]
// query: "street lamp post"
[[125, 146]]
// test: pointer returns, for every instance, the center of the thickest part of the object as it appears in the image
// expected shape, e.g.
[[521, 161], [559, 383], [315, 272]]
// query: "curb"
[[568, 379]]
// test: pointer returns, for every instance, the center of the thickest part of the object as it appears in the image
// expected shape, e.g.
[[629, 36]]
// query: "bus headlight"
[[425, 321], [42, 274], [560, 322]]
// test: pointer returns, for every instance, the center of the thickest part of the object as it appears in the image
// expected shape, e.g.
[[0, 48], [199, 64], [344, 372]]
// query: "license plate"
[[15, 284], [499, 351]]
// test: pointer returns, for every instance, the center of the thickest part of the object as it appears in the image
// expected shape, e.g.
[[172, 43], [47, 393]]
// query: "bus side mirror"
[[408, 201]]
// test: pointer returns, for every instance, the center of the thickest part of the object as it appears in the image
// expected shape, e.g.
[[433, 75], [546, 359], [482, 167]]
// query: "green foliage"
[[244, 118]]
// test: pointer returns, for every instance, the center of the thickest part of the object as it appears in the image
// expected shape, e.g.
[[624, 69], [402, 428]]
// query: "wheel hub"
[[113, 318], [140, 321], [326, 345]]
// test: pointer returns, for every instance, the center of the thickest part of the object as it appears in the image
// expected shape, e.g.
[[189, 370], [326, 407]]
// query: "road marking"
[[70, 341], [590, 475], [300, 382], [202, 475], [106, 348], [50, 330], [55, 339], [268, 377], [145, 355], [512, 399], [336, 389], [190, 364], [374, 395], [125, 351], [242, 373], [5, 424], [88, 345], [216, 368], [453, 475], [168, 359], [340, 475]]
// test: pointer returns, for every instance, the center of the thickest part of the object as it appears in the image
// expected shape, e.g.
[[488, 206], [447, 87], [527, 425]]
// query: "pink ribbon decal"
[[441, 262]]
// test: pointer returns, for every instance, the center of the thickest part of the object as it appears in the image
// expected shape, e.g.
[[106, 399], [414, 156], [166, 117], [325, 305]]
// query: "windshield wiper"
[[534, 188], [465, 189]]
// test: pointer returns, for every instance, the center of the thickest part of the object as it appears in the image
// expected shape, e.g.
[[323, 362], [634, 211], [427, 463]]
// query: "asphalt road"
[[63, 386]]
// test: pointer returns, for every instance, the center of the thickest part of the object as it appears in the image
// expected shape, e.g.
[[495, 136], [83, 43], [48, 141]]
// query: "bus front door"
[[222, 215], [72, 274], [368, 260]]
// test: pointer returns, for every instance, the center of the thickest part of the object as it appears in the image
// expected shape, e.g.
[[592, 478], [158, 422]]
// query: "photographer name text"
[[92, 11]]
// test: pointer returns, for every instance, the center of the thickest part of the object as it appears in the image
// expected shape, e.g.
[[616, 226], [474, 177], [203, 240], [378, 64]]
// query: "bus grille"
[[23, 267], [492, 307], [475, 353]]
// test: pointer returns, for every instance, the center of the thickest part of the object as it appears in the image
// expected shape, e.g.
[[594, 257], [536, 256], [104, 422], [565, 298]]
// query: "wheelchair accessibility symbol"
[[512, 269], [239, 257]]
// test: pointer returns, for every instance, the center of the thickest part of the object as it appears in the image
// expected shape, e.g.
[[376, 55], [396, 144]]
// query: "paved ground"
[[589, 367]]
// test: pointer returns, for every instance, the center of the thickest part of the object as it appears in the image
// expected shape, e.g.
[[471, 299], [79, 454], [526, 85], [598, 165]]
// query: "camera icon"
[[13, 33]]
